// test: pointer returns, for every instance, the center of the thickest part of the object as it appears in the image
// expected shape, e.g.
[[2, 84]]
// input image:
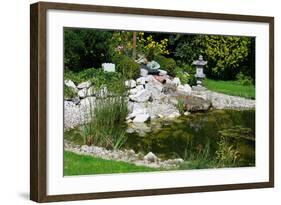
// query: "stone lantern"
[[200, 63]]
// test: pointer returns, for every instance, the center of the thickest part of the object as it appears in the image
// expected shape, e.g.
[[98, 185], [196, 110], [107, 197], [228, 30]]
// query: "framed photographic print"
[[135, 102]]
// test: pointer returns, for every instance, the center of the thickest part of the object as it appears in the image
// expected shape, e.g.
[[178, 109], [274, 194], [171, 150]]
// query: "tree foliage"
[[86, 48], [225, 55]]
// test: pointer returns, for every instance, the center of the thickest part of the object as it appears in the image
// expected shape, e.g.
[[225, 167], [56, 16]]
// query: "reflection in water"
[[197, 134]]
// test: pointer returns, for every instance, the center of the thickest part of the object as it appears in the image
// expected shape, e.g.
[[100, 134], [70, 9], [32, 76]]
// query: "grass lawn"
[[230, 88], [75, 164]]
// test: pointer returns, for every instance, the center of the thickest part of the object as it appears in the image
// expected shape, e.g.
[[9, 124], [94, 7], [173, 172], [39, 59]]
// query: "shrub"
[[114, 82], [243, 79], [106, 128], [69, 92], [167, 64], [151, 47], [84, 48], [225, 55], [186, 74], [83, 75], [188, 48], [126, 66]]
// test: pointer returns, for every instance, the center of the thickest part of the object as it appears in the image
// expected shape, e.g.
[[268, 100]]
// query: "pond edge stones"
[[130, 156]]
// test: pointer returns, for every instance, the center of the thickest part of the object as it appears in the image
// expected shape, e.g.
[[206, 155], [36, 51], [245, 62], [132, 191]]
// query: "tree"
[[225, 55], [85, 48]]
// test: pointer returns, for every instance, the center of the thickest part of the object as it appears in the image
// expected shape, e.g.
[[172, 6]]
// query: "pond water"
[[198, 134]]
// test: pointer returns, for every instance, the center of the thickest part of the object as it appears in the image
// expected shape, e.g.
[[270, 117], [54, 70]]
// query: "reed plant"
[[105, 125]]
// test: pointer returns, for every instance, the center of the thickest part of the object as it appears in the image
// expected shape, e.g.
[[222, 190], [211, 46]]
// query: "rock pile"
[[154, 96]]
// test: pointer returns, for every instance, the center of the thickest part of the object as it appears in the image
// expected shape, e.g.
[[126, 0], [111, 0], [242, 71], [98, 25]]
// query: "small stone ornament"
[[200, 63]]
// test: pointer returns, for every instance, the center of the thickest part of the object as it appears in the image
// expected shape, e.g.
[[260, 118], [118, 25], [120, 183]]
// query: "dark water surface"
[[199, 133], [193, 137]]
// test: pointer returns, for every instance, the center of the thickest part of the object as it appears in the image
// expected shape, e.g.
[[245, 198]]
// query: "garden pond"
[[206, 136]]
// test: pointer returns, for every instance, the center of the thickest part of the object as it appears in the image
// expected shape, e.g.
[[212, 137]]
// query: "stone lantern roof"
[[200, 62]]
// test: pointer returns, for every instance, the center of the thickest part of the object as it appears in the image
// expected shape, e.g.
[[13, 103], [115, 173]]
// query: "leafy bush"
[[151, 47], [243, 79], [105, 128], [225, 55], [167, 64], [69, 92], [187, 47], [186, 74], [112, 80], [82, 76], [85, 48], [126, 66]]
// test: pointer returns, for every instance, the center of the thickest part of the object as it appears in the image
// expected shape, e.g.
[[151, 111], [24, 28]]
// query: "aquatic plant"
[[226, 154], [181, 105], [104, 127]]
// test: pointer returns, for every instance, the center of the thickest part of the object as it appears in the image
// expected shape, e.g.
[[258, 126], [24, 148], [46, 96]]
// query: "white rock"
[[108, 67], [160, 109], [155, 90], [174, 115], [141, 80], [82, 93], [170, 82], [133, 91], [139, 87], [160, 116], [137, 109], [186, 113], [70, 83], [150, 157], [103, 92], [150, 78], [162, 72], [143, 72], [82, 85], [91, 91], [176, 81], [141, 117], [141, 96], [184, 90], [88, 102], [129, 120], [130, 83]]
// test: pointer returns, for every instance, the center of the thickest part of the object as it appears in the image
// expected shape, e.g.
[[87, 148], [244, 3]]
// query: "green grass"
[[234, 88], [75, 164]]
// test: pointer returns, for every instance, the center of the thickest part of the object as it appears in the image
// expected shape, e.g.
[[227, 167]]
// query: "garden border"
[[38, 96]]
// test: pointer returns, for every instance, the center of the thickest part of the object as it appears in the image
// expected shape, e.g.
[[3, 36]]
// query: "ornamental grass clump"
[[226, 154], [106, 123]]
